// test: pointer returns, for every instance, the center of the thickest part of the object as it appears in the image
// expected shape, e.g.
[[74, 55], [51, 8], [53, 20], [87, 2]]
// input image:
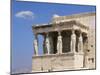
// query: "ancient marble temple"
[[69, 43]]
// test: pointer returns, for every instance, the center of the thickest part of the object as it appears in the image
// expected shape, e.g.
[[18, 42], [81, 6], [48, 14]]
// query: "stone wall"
[[57, 62]]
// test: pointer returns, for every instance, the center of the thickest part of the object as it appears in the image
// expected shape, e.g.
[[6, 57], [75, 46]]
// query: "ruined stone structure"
[[69, 43]]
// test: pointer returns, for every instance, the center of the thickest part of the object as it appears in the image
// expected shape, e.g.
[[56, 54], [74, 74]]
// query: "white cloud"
[[25, 14]]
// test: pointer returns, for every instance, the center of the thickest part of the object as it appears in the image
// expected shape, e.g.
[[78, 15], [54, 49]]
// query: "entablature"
[[69, 25]]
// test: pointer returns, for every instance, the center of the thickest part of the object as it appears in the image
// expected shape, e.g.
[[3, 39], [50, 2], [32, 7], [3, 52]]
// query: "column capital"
[[59, 32], [47, 34], [35, 35]]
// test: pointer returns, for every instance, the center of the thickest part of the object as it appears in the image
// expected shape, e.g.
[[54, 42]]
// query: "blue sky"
[[26, 14]]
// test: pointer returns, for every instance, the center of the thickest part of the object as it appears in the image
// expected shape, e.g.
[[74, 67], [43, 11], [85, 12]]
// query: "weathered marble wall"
[[57, 62]]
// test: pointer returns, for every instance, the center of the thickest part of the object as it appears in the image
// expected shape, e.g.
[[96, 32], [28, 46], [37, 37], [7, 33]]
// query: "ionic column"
[[73, 42], [36, 45], [80, 43], [59, 43], [47, 42]]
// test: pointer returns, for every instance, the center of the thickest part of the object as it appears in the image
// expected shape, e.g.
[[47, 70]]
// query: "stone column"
[[80, 43], [59, 43], [51, 44], [36, 45], [73, 42], [44, 45], [47, 42]]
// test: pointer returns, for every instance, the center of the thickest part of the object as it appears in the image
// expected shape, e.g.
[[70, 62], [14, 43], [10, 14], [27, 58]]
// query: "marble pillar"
[[59, 43], [44, 45], [51, 44], [36, 45], [47, 42], [80, 43], [73, 42]]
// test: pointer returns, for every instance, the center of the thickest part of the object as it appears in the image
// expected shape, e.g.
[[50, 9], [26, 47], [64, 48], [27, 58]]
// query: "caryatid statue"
[[73, 41], [80, 43], [59, 43], [47, 42], [36, 45]]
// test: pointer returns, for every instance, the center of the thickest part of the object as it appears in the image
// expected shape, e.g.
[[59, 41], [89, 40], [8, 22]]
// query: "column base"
[[73, 52]]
